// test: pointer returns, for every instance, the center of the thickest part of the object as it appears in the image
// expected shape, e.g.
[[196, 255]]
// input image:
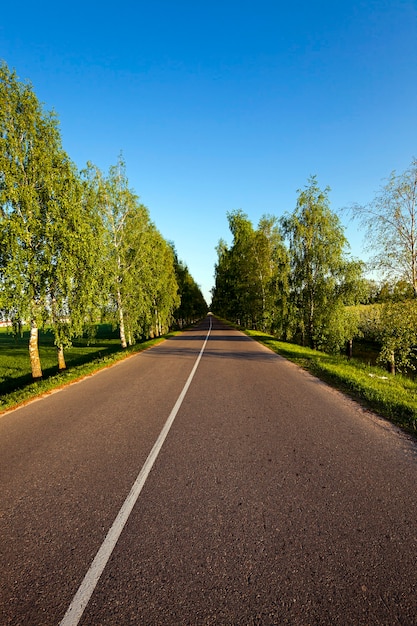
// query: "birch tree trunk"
[[121, 320], [61, 358], [391, 363], [349, 348], [35, 361]]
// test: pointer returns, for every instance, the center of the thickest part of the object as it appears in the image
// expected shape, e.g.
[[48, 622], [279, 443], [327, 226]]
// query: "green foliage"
[[398, 335], [393, 325], [73, 245], [45, 238], [29, 152], [192, 305], [163, 288], [368, 320], [310, 291], [322, 279], [393, 291], [137, 261], [297, 292], [251, 276]]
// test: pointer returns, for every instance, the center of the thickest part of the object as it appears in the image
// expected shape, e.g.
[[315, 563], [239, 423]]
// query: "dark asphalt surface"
[[274, 499]]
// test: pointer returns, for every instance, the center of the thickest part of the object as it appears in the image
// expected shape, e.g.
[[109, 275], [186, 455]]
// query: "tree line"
[[294, 276], [78, 246]]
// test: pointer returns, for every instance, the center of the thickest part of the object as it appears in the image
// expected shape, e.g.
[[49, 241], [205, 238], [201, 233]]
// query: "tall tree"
[[39, 212], [316, 247], [390, 221], [224, 292], [162, 288], [78, 273], [236, 293], [139, 263], [272, 273], [243, 268], [124, 220]]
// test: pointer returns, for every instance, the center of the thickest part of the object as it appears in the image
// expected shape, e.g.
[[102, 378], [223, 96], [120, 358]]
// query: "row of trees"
[[77, 245], [294, 276]]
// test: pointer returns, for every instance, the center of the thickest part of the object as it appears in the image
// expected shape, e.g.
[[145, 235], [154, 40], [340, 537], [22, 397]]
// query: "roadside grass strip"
[[393, 397]]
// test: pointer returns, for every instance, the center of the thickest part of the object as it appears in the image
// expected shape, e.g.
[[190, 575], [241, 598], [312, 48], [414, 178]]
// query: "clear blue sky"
[[225, 104]]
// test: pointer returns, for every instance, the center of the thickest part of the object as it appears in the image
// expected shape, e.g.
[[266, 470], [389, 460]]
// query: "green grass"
[[83, 359], [393, 397]]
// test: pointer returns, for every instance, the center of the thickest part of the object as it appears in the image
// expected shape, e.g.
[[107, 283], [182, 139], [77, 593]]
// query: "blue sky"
[[224, 104]]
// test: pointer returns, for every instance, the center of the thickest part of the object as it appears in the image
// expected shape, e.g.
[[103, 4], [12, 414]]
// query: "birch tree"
[[78, 277], [316, 248], [390, 222], [272, 272], [49, 234], [36, 190], [139, 266], [123, 220], [163, 287]]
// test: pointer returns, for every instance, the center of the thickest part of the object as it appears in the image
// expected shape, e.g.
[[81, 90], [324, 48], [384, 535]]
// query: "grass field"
[[394, 397], [83, 358]]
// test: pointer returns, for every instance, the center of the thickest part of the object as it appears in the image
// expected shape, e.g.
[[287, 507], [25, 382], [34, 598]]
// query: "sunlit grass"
[[394, 397]]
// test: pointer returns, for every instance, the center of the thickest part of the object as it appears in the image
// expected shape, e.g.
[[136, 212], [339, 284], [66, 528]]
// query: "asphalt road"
[[273, 499]]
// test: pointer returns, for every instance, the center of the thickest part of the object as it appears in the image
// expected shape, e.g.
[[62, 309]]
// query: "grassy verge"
[[16, 386], [393, 397]]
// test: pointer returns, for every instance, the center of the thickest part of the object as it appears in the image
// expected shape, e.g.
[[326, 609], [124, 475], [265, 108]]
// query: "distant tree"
[[224, 297], [238, 289], [192, 303], [371, 291], [342, 326], [369, 321], [251, 276], [394, 291], [242, 266], [163, 287], [391, 227]]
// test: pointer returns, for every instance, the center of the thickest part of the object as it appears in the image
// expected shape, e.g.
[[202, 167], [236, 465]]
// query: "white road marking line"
[[86, 589]]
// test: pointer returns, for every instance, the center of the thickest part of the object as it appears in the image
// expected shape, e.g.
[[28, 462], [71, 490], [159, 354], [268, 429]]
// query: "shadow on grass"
[[17, 390], [10, 384]]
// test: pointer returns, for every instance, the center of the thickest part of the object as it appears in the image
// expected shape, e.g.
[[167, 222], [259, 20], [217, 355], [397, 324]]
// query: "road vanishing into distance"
[[205, 481]]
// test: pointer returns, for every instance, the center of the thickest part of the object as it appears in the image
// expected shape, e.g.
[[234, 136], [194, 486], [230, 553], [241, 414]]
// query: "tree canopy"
[[390, 221], [293, 276], [76, 246]]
